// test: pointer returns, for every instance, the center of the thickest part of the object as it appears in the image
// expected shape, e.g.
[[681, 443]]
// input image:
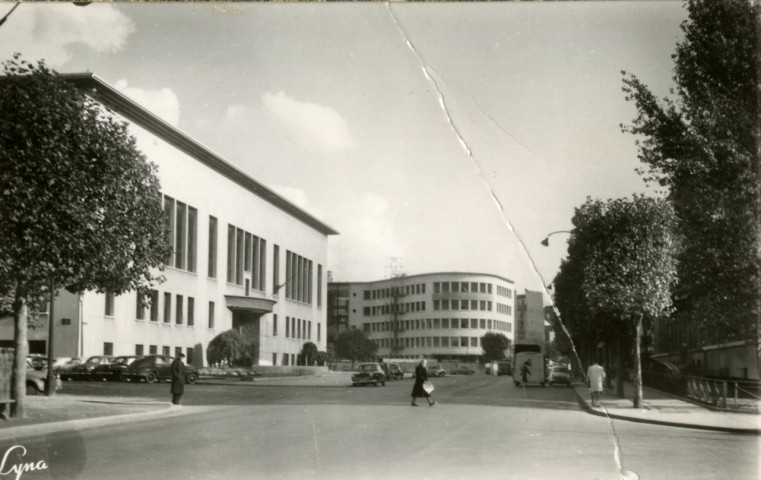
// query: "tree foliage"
[[494, 346], [353, 344], [702, 144], [234, 348], [80, 205], [628, 264], [308, 353]]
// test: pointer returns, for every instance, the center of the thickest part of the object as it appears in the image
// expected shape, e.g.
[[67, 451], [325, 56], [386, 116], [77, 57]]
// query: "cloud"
[[311, 124], [163, 102], [49, 31], [367, 241]]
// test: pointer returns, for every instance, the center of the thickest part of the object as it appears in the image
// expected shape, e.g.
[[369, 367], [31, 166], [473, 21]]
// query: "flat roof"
[[429, 274], [123, 105]]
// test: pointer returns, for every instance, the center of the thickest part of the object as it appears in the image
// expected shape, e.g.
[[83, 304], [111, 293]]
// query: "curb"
[[87, 423], [606, 414]]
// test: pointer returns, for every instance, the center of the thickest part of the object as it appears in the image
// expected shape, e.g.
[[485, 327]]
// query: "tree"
[[81, 206], [308, 353], [226, 347], [630, 264], [703, 145], [494, 346], [354, 345]]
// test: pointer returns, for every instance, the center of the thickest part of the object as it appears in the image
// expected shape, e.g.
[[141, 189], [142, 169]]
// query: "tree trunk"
[[620, 365], [637, 364], [21, 346]]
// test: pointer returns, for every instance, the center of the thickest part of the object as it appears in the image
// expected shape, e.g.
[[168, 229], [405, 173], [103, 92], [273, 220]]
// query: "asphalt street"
[[483, 427]]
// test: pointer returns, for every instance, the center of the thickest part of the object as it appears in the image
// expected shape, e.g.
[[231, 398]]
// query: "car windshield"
[[367, 368], [93, 360]]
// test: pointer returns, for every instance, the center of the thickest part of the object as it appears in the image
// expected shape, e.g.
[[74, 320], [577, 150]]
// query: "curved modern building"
[[438, 315]]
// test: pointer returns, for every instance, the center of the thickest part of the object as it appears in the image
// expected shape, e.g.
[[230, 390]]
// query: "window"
[[274, 329], [139, 350], [319, 285], [319, 332], [167, 307], [177, 351], [108, 348], [464, 286], [192, 239], [455, 286], [180, 235], [285, 358], [274, 359], [165, 351], [179, 314], [152, 350], [211, 314], [189, 356], [298, 285], [275, 269], [140, 307], [212, 247], [169, 220], [191, 312], [154, 305], [287, 327], [109, 304]]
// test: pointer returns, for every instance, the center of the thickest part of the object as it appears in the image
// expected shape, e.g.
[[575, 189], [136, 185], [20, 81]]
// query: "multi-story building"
[[438, 315], [243, 255], [529, 319]]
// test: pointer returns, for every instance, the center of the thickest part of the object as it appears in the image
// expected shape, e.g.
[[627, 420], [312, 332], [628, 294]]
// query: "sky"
[[434, 137]]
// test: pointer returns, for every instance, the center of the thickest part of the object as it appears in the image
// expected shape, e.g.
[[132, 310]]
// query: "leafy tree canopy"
[[353, 344], [702, 144], [494, 346]]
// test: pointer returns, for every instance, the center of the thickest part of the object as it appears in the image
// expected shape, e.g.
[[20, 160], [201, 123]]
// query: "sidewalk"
[[663, 409]]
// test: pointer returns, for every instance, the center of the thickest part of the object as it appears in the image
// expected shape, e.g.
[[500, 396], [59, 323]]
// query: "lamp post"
[[546, 241]]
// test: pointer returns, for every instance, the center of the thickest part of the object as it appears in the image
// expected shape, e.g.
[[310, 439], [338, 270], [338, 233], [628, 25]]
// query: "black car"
[[118, 371], [155, 368], [395, 372], [369, 373], [83, 371]]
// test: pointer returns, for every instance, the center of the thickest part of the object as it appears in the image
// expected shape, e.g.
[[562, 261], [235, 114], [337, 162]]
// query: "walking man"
[[178, 379], [595, 377]]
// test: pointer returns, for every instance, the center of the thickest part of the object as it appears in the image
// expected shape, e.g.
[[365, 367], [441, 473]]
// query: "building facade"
[[438, 315], [529, 319], [243, 256]]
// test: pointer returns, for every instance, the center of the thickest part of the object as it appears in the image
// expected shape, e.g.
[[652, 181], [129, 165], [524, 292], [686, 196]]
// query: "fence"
[[735, 395], [6, 374]]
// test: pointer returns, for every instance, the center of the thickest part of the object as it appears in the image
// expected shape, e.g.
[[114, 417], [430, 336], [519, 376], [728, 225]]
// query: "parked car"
[[369, 373], [37, 361], [462, 370], [559, 374], [36, 380], [83, 371], [68, 366], [505, 367], [436, 371], [155, 368], [395, 372], [118, 371]]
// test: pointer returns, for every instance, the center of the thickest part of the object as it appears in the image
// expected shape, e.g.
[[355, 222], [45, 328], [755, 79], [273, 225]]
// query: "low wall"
[[263, 371]]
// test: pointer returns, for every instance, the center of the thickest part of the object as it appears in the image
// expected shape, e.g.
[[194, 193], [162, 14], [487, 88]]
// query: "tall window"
[[109, 312], [298, 285], [167, 307], [181, 221], [108, 348], [169, 220], [231, 251], [211, 314], [139, 350], [191, 312], [154, 305], [275, 268], [140, 307], [274, 325], [179, 314], [152, 349], [192, 239], [319, 285], [212, 247], [245, 252], [287, 327], [180, 252], [319, 332]]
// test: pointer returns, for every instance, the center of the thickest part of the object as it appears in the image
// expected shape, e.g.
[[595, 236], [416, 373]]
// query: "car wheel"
[[32, 389], [151, 377], [191, 378], [118, 377]]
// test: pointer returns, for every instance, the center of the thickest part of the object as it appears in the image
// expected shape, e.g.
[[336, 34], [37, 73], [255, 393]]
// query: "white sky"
[[402, 126]]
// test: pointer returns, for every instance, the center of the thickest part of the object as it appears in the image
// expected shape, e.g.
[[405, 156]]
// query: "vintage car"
[[84, 370], [153, 368], [395, 372], [36, 380], [67, 368], [462, 370], [369, 373], [436, 371], [559, 374], [118, 371]]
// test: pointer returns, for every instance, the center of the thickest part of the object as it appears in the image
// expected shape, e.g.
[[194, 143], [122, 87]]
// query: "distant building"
[[439, 315], [529, 319], [243, 255]]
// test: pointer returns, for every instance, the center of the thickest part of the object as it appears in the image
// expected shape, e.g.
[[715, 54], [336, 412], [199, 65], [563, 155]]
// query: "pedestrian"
[[384, 367], [178, 379], [595, 377], [525, 371], [421, 376]]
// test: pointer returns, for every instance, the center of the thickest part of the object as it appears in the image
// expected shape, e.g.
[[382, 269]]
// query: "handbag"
[[428, 387]]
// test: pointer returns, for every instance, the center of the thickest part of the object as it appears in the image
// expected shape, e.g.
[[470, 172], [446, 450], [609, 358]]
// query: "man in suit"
[[178, 379]]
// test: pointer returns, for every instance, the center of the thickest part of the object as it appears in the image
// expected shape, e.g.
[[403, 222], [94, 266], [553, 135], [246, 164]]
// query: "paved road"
[[483, 428]]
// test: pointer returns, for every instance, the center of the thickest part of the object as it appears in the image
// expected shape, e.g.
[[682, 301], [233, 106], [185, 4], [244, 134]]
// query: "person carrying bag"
[[420, 389]]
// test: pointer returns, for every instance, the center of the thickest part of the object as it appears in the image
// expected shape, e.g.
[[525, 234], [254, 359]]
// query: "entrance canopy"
[[249, 304]]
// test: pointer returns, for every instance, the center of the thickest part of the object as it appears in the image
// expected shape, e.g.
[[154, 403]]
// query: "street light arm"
[[5, 17], [546, 241]]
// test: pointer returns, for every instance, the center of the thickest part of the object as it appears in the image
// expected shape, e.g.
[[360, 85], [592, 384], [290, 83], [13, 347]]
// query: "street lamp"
[[546, 241]]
